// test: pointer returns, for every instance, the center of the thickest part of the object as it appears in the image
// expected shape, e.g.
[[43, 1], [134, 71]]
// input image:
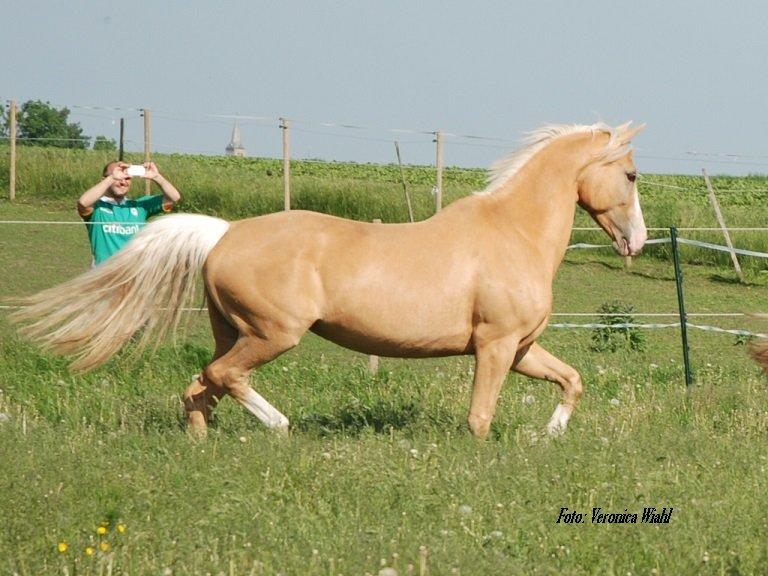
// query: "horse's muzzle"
[[632, 245]]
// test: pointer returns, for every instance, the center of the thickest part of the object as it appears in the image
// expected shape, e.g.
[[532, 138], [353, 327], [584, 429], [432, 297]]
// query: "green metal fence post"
[[681, 307]]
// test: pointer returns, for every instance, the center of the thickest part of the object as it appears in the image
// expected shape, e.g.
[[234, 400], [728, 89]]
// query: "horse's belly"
[[407, 341]]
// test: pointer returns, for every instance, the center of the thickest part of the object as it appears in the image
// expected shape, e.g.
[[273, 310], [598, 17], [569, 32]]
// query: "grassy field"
[[379, 470]]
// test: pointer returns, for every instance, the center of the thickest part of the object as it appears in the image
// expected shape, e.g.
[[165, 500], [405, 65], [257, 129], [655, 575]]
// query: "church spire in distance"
[[235, 146]]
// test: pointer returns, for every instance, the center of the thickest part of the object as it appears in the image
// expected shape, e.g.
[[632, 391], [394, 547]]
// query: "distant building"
[[235, 146]]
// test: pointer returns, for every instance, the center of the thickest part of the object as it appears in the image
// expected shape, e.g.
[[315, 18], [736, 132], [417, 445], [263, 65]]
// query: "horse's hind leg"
[[201, 397], [538, 363], [230, 374]]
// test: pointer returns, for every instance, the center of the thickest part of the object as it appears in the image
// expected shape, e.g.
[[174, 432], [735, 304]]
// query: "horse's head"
[[607, 189]]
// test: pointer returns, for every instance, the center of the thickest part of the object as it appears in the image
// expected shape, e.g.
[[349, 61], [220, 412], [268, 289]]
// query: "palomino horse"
[[759, 351], [476, 278]]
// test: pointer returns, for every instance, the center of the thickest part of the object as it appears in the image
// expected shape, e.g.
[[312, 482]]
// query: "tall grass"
[[235, 188]]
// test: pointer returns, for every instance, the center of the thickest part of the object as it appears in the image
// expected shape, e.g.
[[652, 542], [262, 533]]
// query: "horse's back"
[[363, 285]]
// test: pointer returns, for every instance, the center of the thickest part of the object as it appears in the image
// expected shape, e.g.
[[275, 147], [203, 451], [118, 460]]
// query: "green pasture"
[[379, 470]]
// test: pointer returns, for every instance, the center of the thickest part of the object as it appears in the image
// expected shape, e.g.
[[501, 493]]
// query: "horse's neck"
[[539, 203]]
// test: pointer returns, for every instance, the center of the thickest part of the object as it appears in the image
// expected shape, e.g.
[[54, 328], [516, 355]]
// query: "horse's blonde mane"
[[535, 141]]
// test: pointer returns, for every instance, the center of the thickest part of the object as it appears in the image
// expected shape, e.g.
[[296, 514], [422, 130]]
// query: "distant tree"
[[40, 124], [3, 122], [104, 143]]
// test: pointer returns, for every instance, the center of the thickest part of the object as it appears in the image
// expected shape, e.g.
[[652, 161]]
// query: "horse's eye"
[[631, 176]]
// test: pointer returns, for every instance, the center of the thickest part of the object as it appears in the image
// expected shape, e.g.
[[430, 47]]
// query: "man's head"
[[121, 180]]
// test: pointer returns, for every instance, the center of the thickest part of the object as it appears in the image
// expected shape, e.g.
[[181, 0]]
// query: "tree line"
[[39, 123]]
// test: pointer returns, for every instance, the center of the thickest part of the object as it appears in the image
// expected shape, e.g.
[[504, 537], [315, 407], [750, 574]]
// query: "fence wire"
[[571, 325]]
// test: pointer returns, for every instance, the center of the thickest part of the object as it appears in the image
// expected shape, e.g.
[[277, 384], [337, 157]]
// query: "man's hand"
[[118, 171], [170, 194], [152, 172]]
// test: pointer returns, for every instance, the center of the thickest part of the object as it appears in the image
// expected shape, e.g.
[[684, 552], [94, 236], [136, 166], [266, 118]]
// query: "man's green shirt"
[[112, 224]]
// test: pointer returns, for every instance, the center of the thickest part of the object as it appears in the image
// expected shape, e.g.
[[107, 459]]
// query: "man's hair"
[[105, 170]]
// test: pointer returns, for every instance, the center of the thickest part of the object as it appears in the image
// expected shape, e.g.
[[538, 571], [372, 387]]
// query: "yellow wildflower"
[[104, 546], [62, 547], [101, 530], [89, 551], [121, 528]]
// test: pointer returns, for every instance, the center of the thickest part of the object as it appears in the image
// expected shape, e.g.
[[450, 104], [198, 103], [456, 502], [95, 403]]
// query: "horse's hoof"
[[197, 433], [195, 428], [555, 430], [282, 430]]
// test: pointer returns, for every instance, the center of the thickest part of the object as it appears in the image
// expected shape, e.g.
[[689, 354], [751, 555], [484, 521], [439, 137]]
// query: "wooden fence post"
[[285, 124], [721, 221], [402, 179], [147, 144], [439, 179], [12, 121], [373, 360]]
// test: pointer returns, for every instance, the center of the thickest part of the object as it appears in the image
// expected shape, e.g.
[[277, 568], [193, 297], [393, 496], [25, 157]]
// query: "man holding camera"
[[112, 218]]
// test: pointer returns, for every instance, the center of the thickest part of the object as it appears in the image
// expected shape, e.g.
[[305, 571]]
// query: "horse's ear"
[[627, 133]]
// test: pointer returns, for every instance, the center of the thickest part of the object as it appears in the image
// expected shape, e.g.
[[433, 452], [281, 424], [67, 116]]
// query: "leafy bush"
[[615, 335]]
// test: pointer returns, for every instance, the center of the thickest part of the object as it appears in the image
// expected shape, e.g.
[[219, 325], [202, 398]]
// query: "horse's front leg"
[[538, 363], [200, 398], [493, 360]]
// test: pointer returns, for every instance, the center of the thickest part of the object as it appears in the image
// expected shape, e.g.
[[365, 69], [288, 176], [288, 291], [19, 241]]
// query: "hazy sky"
[[695, 73]]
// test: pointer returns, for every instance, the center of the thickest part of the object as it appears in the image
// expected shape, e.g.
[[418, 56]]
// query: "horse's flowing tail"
[[145, 285], [759, 351]]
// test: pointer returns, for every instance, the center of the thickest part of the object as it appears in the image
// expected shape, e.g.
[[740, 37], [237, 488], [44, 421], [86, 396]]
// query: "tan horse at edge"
[[759, 352], [476, 278]]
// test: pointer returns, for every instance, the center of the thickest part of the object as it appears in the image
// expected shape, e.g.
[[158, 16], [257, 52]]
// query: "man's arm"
[[88, 199], [170, 194]]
